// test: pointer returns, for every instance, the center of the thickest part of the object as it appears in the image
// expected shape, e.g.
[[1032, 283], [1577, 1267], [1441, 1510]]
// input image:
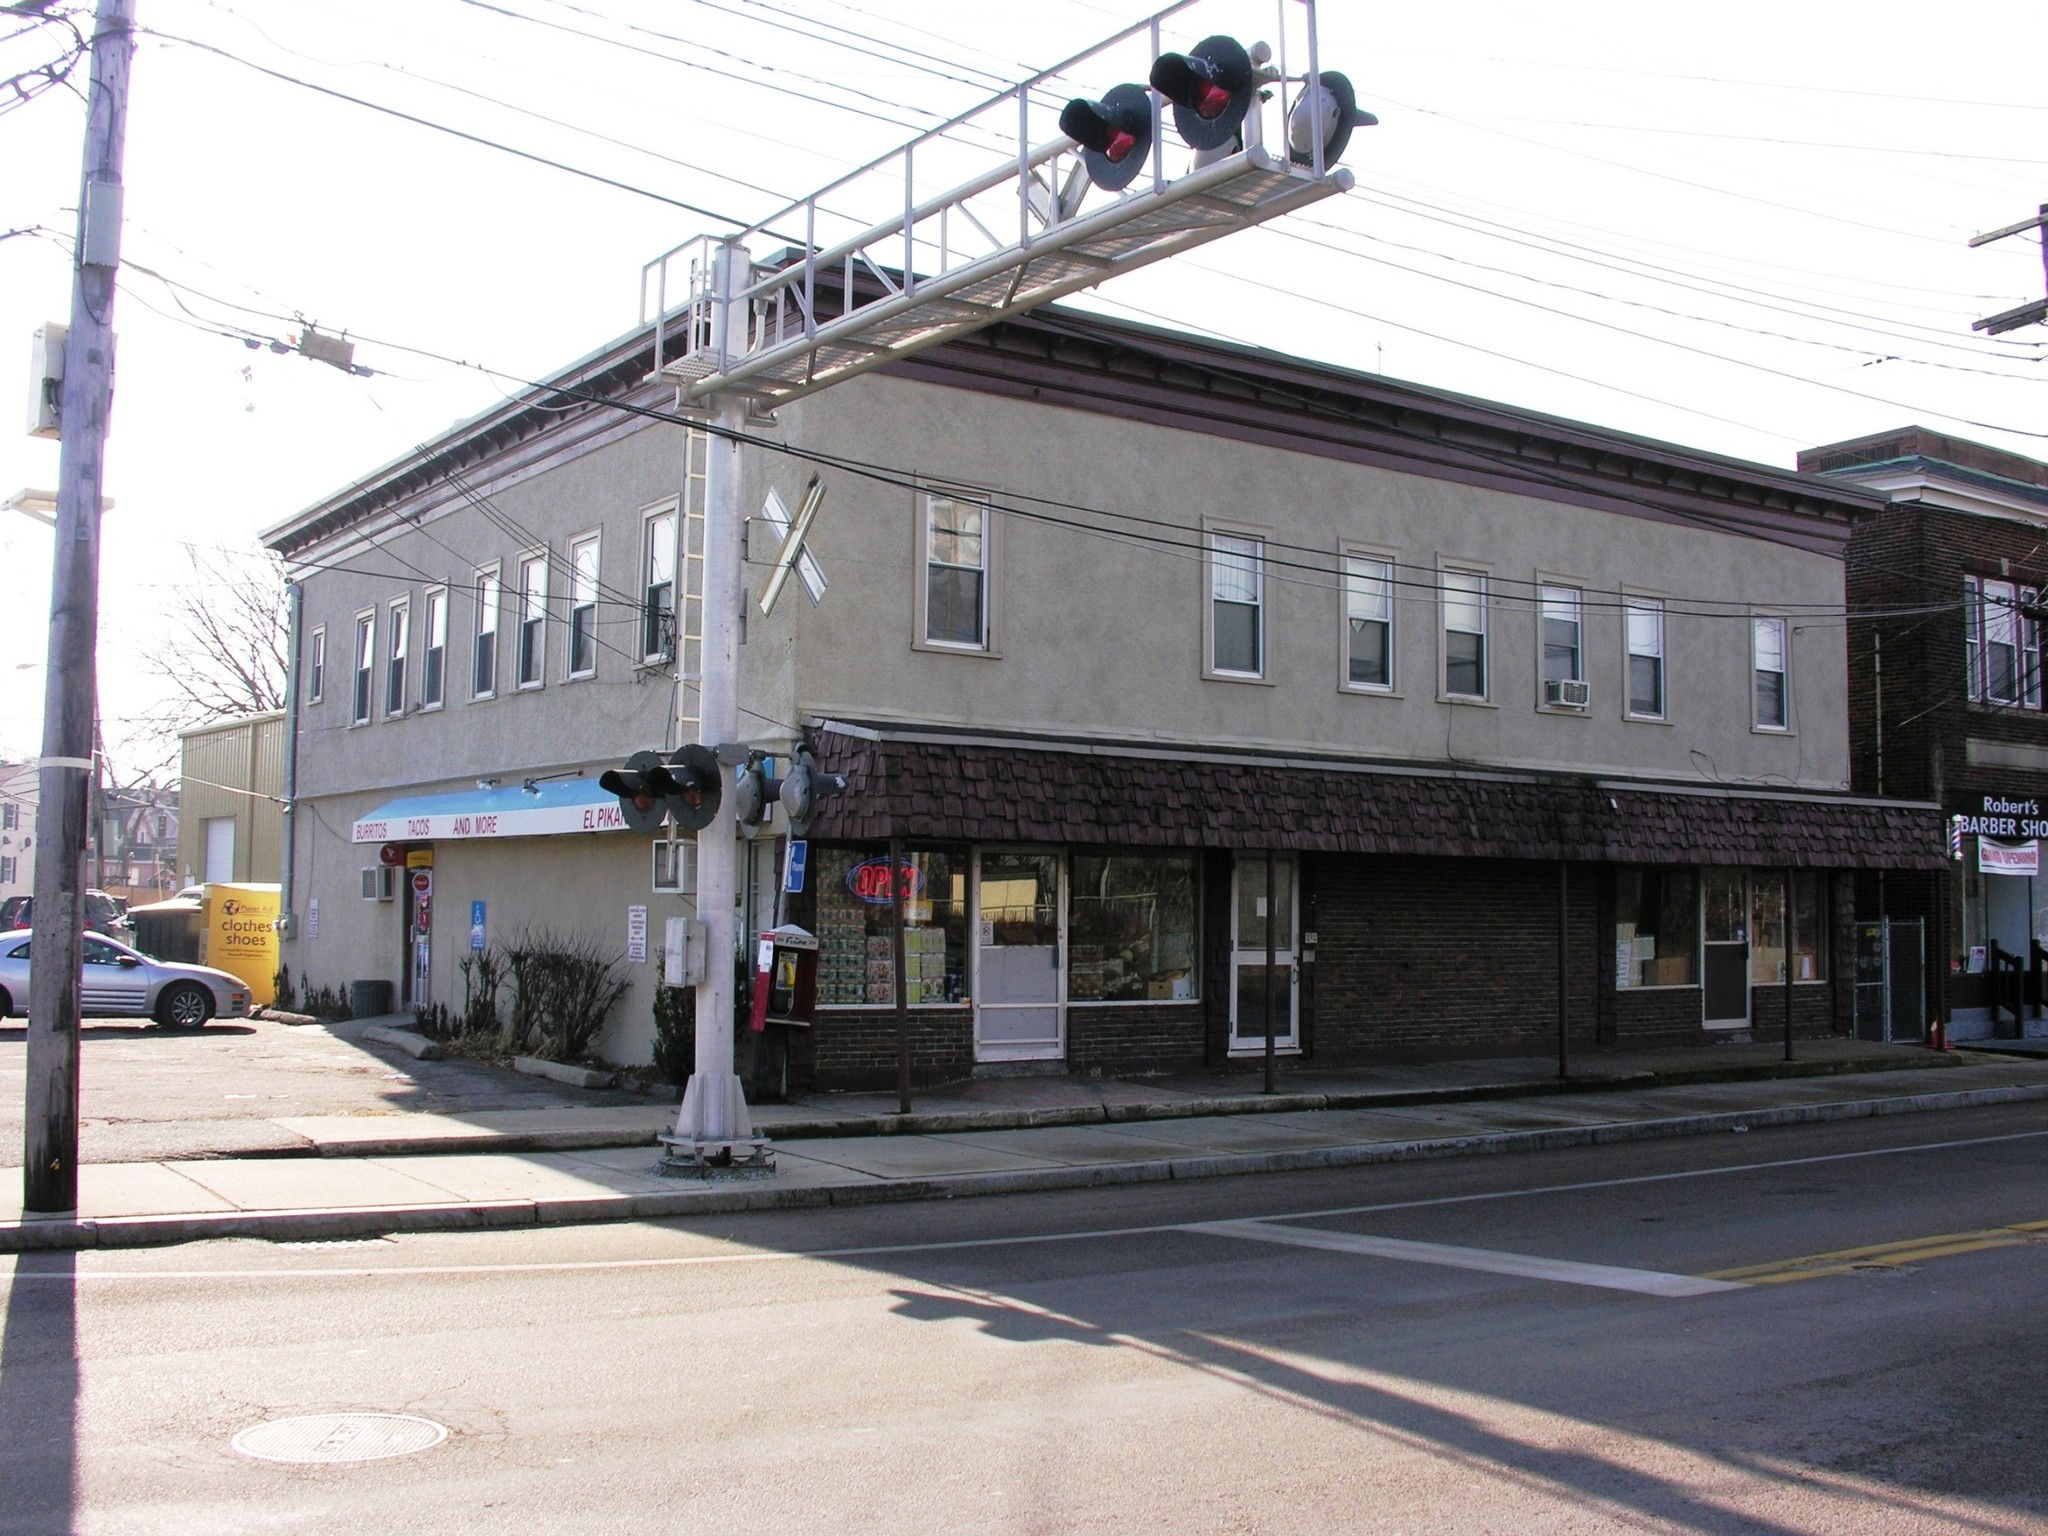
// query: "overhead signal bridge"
[[1258, 132]]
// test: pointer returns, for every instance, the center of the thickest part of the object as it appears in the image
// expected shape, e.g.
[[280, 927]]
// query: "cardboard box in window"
[[1175, 988], [1671, 971]]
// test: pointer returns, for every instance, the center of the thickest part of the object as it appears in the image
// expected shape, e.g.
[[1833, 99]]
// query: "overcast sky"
[[1738, 227]]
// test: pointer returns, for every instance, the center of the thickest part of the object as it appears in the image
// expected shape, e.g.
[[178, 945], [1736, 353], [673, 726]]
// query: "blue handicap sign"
[[476, 925], [799, 855]]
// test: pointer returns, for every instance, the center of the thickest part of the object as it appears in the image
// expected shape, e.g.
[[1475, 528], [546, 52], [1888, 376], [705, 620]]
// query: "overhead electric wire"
[[454, 132], [1759, 138]]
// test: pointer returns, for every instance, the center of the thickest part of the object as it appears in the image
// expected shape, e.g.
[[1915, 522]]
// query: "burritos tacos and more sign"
[[546, 810]]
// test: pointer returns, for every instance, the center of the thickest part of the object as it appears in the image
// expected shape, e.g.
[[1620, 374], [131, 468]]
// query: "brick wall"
[[1431, 958]]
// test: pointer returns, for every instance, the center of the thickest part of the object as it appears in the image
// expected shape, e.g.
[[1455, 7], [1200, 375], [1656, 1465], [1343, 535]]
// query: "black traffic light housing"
[[1115, 134], [1327, 106], [1211, 88], [684, 788], [752, 793], [805, 785]]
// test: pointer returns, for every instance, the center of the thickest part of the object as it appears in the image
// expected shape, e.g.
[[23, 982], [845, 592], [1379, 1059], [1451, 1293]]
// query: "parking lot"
[[147, 1093]]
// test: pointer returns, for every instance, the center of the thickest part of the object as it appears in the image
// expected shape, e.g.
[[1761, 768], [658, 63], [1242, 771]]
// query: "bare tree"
[[227, 651]]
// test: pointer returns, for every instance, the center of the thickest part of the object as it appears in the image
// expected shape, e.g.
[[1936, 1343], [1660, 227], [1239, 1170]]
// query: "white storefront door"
[[1248, 955], [1019, 957]]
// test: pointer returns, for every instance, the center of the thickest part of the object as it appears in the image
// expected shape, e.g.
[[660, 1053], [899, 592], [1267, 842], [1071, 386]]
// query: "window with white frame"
[[1369, 621], [2002, 642], [483, 681], [583, 606], [10, 816], [434, 649], [956, 572], [366, 667], [1237, 597], [658, 586], [316, 664], [7, 870], [1769, 639], [1643, 617], [533, 619], [395, 657], [1564, 649], [1465, 661]]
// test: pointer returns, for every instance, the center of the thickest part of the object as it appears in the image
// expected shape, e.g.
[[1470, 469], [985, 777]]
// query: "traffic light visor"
[[1211, 88]]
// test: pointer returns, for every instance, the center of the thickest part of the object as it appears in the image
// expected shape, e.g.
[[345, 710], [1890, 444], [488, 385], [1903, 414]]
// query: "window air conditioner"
[[1567, 693], [380, 883]]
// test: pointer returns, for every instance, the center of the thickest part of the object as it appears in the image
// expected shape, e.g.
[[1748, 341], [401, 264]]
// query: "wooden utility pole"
[[50, 1161]]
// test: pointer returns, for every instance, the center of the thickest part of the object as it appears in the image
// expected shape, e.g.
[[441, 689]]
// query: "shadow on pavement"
[[39, 1386]]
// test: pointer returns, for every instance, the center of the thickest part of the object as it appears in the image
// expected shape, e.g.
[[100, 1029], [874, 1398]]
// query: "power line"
[[453, 132]]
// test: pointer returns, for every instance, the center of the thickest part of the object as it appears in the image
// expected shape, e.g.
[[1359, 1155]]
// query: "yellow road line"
[[1843, 1261]]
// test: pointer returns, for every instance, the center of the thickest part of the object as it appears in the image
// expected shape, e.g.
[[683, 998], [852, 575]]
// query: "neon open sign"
[[869, 880]]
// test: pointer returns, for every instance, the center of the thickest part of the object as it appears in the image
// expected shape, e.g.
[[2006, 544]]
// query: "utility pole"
[[2026, 314], [713, 1127], [50, 1161]]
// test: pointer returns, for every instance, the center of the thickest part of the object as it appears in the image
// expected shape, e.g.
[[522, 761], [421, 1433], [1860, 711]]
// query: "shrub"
[[284, 1000], [483, 980], [324, 1002], [563, 990]]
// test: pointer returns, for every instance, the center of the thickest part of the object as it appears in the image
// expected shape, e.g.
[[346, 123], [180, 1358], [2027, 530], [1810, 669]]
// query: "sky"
[[1741, 228]]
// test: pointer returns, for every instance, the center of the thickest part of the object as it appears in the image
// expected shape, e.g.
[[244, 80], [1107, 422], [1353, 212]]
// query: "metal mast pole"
[[50, 1161], [714, 1114]]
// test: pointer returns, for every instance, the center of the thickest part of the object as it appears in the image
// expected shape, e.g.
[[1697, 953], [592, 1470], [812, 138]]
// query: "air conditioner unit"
[[1567, 693], [380, 883]]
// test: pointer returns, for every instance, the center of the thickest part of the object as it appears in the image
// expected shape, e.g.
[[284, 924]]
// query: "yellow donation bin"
[[241, 935]]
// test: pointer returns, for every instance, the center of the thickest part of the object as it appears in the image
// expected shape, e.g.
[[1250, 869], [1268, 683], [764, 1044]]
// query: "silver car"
[[117, 981]]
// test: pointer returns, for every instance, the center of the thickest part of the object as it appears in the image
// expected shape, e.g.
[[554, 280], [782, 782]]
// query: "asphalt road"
[[1521, 1344], [147, 1093]]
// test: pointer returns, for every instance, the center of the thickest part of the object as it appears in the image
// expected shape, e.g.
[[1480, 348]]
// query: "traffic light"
[[1327, 107], [752, 793], [684, 788], [1115, 134], [1211, 88], [805, 785]]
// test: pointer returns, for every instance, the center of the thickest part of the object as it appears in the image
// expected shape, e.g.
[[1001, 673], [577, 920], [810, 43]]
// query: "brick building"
[[1121, 625], [1946, 695]]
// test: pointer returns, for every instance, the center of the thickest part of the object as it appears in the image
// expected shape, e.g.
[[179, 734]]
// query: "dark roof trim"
[[974, 791]]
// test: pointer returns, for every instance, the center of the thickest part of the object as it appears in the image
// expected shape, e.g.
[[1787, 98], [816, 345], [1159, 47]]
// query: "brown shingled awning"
[[978, 791]]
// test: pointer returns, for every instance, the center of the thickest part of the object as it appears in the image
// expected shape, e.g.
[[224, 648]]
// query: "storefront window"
[[1131, 925], [1656, 927], [1767, 928], [855, 923]]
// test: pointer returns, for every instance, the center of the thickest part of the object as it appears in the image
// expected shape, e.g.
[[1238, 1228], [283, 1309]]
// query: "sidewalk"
[[443, 1173]]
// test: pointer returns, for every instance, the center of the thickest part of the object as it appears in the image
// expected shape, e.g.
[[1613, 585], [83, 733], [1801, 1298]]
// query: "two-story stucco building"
[[1121, 625]]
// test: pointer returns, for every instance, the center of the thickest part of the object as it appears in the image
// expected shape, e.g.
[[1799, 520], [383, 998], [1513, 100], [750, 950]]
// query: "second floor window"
[[1369, 621], [1237, 595], [533, 618], [434, 650], [1564, 652], [956, 572], [394, 661], [1465, 634], [1644, 617], [2002, 642], [484, 678], [366, 666], [658, 589], [583, 607], [316, 665], [1768, 641]]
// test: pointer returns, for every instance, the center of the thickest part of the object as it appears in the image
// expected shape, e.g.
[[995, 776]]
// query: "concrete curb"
[[562, 1072], [375, 1221], [414, 1044]]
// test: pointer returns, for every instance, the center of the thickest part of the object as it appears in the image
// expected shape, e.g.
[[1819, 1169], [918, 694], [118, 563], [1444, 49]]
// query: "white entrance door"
[[1724, 957], [1248, 956], [1019, 961]]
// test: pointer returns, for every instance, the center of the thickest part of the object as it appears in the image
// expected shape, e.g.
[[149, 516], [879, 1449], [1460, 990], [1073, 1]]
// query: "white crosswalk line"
[[1644, 1282]]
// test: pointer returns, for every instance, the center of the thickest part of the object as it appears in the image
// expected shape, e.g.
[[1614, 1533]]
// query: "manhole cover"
[[326, 1437]]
